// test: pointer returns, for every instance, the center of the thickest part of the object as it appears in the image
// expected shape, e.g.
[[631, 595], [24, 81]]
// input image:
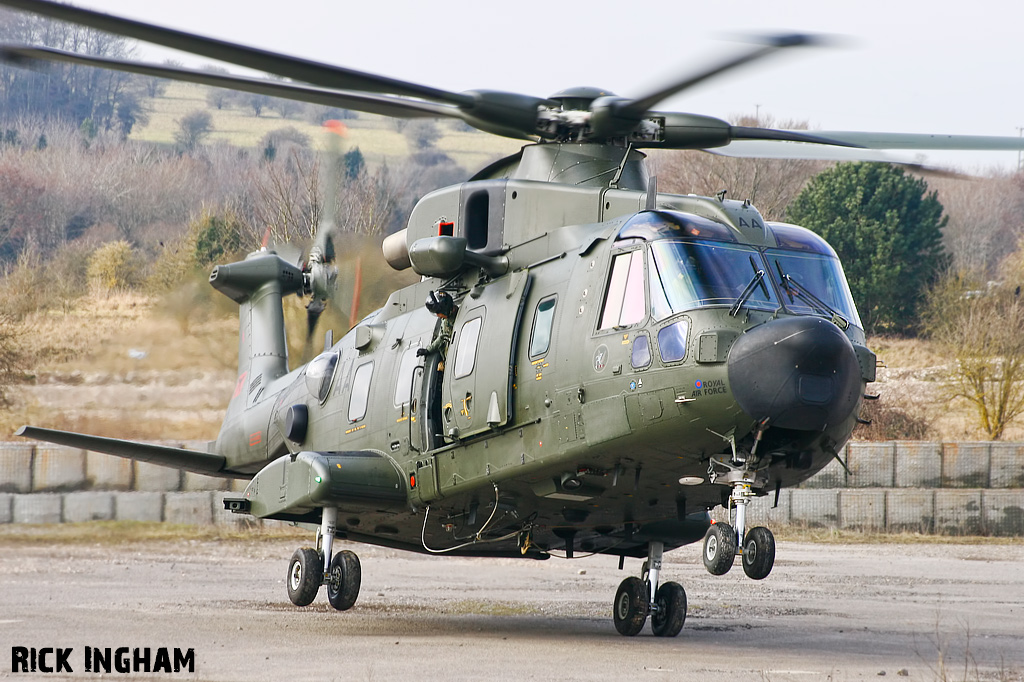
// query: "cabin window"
[[320, 375], [641, 355], [672, 341], [403, 387], [465, 353], [624, 304], [540, 338], [360, 392], [478, 207]]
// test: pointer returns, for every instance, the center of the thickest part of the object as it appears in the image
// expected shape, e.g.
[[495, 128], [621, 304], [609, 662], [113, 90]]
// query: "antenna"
[[652, 193]]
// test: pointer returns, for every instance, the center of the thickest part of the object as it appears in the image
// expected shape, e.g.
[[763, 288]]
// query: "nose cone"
[[799, 372]]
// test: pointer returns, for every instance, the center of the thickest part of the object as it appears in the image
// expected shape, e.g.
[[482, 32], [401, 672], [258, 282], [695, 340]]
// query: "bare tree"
[[769, 184], [985, 220], [289, 200], [982, 329]]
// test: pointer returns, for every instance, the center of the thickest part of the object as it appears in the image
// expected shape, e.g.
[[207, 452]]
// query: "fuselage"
[[587, 387]]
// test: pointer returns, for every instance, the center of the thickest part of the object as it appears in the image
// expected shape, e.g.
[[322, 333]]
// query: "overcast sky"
[[907, 65]]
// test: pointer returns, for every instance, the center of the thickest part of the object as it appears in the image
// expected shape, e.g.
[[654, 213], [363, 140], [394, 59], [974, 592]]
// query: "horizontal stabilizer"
[[178, 458]]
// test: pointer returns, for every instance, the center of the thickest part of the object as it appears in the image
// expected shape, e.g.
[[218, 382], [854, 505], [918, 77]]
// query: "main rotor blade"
[[375, 104], [746, 133], [769, 45], [696, 131], [317, 73], [925, 141], [775, 149]]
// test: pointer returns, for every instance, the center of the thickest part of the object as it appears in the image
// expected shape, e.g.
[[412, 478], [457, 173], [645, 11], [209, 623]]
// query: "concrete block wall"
[[915, 464], [947, 488], [186, 508], [893, 510], [28, 468]]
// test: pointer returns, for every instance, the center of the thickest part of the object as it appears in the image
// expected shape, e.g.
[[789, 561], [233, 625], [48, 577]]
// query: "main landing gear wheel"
[[670, 613], [719, 548], [305, 572], [632, 603], [343, 580], [758, 553]]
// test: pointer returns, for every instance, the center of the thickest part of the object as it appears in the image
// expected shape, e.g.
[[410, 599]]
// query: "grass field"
[[376, 136]]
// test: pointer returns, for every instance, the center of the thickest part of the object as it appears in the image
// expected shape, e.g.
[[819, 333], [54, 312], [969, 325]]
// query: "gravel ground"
[[836, 612]]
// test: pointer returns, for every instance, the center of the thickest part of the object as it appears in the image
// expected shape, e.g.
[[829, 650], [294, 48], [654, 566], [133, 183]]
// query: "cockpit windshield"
[[696, 262], [692, 274], [809, 262]]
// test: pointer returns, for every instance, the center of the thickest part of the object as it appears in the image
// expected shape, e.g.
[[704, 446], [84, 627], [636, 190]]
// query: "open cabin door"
[[479, 371]]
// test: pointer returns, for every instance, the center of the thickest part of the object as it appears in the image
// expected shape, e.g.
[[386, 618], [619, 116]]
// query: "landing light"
[[691, 480]]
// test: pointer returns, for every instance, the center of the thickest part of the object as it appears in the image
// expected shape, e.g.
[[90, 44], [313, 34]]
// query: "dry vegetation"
[[918, 396], [86, 371], [140, 346]]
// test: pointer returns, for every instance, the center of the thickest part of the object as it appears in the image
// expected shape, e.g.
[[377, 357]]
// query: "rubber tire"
[[631, 606], [758, 553], [344, 580], [305, 571], [719, 548], [668, 619]]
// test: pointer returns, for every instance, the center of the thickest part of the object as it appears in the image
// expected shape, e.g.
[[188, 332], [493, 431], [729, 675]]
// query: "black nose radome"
[[799, 372]]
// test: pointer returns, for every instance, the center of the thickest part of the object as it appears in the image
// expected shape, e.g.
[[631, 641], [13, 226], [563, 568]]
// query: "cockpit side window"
[[625, 302], [320, 375]]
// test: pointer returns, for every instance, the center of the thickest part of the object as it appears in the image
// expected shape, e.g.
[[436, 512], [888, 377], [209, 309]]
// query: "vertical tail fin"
[[258, 285]]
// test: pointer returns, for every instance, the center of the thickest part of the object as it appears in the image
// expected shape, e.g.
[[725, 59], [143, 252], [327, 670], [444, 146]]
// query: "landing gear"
[[306, 569], [758, 553], [669, 614], [723, 542], [631, 606], [719, 548], [304, 573], [343, 580], [637, 598]]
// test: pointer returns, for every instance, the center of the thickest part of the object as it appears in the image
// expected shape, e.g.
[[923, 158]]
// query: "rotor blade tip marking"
[[337, 127]]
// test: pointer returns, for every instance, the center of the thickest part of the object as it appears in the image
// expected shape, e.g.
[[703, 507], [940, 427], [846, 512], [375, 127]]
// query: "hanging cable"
[[477, 538]]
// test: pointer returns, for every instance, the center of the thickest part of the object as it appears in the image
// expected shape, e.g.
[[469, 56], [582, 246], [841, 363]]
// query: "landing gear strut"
[[306, 570], [723, 542], [637, 598]]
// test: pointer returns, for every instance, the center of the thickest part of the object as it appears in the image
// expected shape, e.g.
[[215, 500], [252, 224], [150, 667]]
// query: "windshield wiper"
[[793, 289], [748, 291]]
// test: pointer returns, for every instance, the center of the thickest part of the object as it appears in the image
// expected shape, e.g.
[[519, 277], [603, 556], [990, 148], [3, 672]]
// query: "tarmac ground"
[[827, 612]]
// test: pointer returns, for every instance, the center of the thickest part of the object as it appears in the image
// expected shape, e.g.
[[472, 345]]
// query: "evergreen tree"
[[887, 230]]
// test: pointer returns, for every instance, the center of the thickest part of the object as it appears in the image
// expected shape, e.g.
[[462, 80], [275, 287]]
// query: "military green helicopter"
[[585, 366]]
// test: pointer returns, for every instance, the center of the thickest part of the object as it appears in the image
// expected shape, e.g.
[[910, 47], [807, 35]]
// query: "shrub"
[[12, 354], [112, 267]]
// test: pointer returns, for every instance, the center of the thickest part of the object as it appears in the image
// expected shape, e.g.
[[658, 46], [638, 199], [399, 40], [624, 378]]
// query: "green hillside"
[[376, 136]]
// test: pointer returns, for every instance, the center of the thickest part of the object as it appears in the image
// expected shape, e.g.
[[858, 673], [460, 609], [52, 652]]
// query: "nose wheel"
[[719, 548], [306, 573], [723, 542], [638, 598]]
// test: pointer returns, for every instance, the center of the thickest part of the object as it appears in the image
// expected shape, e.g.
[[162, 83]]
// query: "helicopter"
[[586, 365]]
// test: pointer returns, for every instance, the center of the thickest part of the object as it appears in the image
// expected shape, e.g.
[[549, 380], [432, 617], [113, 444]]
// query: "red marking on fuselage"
[[238, 386], [255, 439]]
